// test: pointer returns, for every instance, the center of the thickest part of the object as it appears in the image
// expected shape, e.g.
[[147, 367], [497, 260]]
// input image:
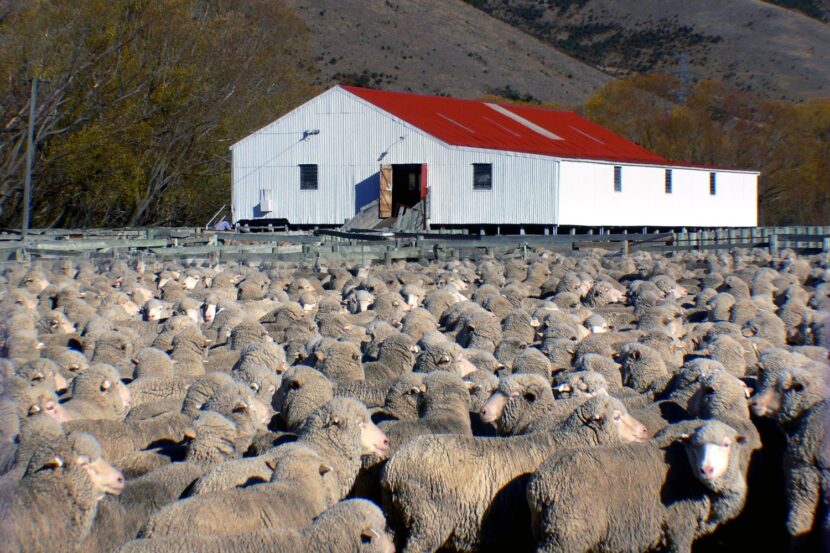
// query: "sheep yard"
[[169, 390]]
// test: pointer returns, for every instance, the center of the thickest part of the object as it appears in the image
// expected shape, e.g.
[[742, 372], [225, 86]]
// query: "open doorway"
[[401, 185]]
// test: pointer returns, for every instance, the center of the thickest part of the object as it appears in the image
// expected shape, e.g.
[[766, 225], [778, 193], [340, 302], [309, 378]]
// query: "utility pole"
[[30, 154]]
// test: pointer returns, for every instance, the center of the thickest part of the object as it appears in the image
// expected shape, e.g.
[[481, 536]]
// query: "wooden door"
[[385, 201]]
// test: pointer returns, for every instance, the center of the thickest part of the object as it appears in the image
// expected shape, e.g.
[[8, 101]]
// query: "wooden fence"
[[369, 246]]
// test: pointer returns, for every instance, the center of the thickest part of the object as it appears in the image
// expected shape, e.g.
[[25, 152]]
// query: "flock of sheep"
[[536, 402]]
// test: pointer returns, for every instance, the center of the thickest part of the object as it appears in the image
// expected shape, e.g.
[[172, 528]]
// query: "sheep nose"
[[119, 479], [385, 442], [707, 471]]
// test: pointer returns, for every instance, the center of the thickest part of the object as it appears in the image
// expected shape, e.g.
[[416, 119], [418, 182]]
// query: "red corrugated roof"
[[496, 126]]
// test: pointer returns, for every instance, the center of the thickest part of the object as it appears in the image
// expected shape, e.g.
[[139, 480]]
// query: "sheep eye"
[[617, 415], [725, 443], [365, 538], [797, 386], [53, 323], [34, 409], [531, 397], [254, 386], [294, 385]]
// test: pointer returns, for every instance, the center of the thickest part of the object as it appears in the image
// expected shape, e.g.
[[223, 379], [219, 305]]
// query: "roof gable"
[[508, 127]]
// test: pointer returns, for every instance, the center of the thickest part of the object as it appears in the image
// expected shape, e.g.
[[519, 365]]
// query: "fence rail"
[[368, 246]]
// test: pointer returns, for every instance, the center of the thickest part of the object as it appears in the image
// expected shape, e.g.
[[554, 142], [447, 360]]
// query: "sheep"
[[639, 497], [442, 355], [643, 368], [212, 440], [43, 372], [98, 393], [265, 354], [521, 401], [532, 361], [803, 415], [353, 526], [481, 505], [53, 505], [402, 398], [339, 432], [443, 409], [301, 391], [70, 362], [396, 357], [301, 487], [119, 439], [340, 361], [605, 366], [418, 322], [151, 362]]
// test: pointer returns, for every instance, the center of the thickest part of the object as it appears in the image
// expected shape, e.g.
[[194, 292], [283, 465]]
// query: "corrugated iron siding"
[[354, 139]]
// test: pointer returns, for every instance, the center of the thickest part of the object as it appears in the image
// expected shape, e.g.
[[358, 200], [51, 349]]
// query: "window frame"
[[617, 178], [669, 182], [713, 183], [304, 181], [476, 168]]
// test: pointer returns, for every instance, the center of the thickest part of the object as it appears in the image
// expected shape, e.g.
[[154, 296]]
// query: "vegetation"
[[139, 102], [788, 143], [140, 99]]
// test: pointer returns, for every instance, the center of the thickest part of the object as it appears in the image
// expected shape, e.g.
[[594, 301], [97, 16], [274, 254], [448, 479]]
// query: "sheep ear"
[[54, 463], [635, 354], [684, 437], [189, 433], [562, 388], [271, 464], [239, 408], [324, 469], [320, 356], [335, 421], [472, 386], [370, 533], [105, 385]]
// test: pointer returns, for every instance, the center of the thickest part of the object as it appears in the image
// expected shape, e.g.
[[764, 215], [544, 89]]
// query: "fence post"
[[773, 244]]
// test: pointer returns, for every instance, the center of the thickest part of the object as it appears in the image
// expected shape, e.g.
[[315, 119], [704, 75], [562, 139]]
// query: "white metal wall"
[[587, 197], [355, 138]]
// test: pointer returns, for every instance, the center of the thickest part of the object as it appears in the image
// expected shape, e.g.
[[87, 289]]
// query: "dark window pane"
[[617, 179], [482, 176], [668, 181], [713, 184], [308, 177]]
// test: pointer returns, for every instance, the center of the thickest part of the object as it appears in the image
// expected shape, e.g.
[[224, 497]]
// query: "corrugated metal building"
[[477, 163]]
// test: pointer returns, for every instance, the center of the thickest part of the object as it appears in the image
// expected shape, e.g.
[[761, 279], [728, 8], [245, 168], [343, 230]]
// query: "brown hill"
[[753, 45], [439, 47]]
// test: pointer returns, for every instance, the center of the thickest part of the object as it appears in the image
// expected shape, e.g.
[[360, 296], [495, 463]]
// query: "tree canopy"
[[139, 102]]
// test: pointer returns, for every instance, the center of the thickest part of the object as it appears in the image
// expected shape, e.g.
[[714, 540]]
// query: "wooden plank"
[[385, 203]]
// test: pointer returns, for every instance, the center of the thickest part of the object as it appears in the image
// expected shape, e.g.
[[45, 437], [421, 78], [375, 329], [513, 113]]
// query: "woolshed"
[[469, 163]]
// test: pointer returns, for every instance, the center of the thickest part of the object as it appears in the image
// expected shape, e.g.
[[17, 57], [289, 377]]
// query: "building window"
[[713, 184], [617, 178], [482, 176], [308, 177], [668, 181]]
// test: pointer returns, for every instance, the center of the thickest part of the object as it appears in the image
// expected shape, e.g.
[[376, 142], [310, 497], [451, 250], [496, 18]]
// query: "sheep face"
[[628, 428], [155, 310], [711, 451], [105, 478], [49, 407], [372, 439]]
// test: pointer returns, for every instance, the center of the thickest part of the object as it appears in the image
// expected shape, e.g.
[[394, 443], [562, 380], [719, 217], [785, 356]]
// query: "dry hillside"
[[754, 45], [439, 47]]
